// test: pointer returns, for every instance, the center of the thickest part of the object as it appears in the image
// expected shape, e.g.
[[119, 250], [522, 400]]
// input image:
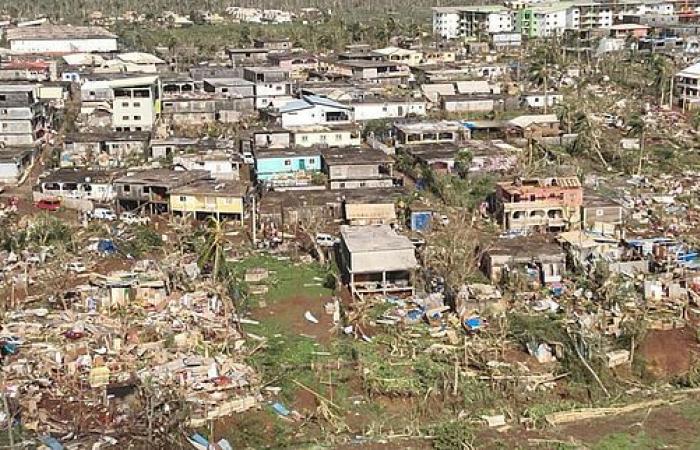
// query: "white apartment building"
[[542, 21], [687, 87], [591, 15], [134, 102], [471, 21]]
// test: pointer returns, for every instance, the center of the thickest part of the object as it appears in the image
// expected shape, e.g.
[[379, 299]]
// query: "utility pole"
[[255, 227]]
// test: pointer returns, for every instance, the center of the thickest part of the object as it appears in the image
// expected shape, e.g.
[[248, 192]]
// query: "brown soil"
[[290, 312], [669, 353], [664, 424]]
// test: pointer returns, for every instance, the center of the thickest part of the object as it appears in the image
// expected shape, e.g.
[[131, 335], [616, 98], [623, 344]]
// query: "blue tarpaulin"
[[106, 246], [51, 443], [473, 323], [280, 409], [420, 221]]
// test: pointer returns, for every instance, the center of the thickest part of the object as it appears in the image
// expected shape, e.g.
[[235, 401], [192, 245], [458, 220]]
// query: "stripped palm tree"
[[212, 252], [637, 128], [587, 137]]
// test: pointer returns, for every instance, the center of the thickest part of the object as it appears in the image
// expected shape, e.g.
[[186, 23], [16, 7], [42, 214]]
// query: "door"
[[302, 164]]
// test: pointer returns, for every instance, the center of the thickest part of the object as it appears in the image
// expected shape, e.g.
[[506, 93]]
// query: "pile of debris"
[[124, 356]]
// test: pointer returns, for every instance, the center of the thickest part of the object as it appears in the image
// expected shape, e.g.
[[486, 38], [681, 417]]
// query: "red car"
[[48, 205]]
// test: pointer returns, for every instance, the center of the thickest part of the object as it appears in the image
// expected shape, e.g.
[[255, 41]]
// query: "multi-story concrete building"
[[471, 21], [21, 114], [273, 87], [542, 20], [548, 18], [540, 204], [687, 86], [134, 102], [590, 16]]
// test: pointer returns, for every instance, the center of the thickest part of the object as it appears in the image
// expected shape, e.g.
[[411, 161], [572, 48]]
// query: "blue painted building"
[[287, 167]]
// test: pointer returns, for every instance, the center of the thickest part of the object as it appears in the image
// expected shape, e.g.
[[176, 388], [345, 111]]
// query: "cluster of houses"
[[304, 150]]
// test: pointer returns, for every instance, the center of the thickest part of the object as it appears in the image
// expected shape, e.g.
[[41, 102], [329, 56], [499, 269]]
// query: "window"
[[304, 139], [323, 137], [338, 137], [137, 104], [3, 97], [146, 189], [127, 188], [92, 93], [125, 104], [137, 117], [125, 117], [287, 162], [183, 198], [312, 161], [598, 212], [224, 90]]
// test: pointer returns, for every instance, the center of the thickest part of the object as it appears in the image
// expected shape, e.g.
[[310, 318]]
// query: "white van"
[[103, 214], [326, 240]]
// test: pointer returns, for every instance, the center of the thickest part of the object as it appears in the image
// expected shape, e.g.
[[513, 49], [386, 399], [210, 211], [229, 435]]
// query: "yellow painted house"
[[210, 198]]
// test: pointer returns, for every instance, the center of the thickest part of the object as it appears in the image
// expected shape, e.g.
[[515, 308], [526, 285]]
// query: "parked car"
[[131, 218], [326, 240], [48, 204], [103, 214], [248, 157], [76, 267]]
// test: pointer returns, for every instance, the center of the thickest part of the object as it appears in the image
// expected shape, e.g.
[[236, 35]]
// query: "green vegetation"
[[145, 239], [44, 230], [286, 357], [452, 435], [625, 441], [287, 279]]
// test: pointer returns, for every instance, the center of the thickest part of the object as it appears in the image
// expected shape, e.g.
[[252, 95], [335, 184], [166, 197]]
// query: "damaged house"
[[212, 198], [354, 168], [151, 189], [288, 167], [537, 259], [95, 185], [418, 133], [539, 204], [104, 148], [374, 259], [14, 163]]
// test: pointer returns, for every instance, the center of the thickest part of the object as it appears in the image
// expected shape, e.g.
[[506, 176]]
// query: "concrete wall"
[[374, 111], [66, 202], [64, 45]]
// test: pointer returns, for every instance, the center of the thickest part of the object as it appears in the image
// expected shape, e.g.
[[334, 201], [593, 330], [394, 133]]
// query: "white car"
[[131, 218], [76, 267], [326, 240], [248, 157], [104, 214]]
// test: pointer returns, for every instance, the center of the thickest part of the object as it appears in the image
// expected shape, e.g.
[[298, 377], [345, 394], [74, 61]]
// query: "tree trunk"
[[641, 153]]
